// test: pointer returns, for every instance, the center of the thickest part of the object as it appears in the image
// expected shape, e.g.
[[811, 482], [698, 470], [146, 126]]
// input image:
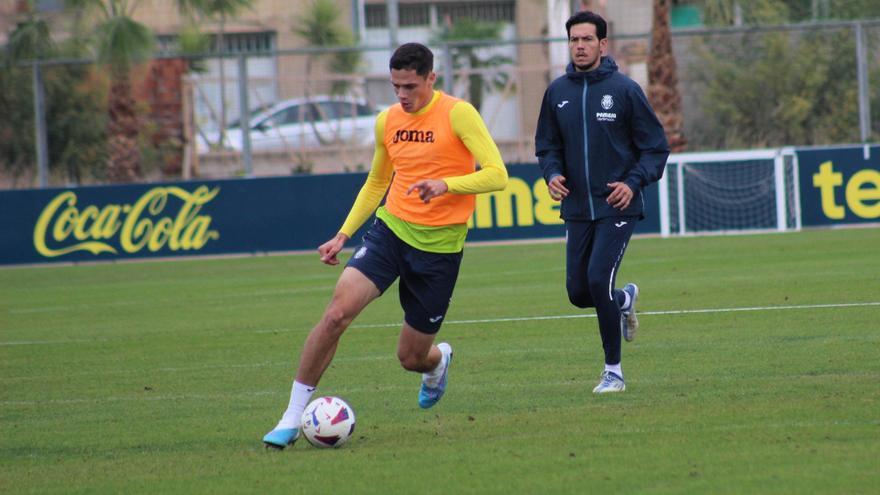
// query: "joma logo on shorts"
[[409, 136]]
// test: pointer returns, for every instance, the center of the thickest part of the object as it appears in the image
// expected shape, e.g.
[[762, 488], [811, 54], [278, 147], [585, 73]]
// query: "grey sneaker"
[[610, 382], [629, 322]]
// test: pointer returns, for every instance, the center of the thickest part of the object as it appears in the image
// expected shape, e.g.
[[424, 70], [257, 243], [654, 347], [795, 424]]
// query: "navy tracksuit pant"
[[594, 250]]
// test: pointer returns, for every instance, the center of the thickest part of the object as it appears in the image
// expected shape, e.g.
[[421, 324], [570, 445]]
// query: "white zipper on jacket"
[[587, 150]]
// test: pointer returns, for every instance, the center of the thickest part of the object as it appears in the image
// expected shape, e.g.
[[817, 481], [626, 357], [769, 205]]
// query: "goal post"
[[730, 192]]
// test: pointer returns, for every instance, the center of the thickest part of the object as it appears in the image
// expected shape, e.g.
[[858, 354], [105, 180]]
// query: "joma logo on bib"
[[410, 136]]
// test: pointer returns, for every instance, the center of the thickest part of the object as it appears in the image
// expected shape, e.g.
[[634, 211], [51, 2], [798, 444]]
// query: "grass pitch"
[[161, 377]]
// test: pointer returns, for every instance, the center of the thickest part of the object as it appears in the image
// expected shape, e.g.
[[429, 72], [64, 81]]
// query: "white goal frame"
[[785, 206]]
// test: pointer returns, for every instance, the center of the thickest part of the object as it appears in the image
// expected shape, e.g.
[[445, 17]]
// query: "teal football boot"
[[428, 396], [281, 438]]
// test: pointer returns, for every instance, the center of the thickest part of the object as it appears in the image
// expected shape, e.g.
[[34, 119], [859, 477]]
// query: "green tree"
[[474, 59], [75, 114], [192, 41], [728, 12], [793, 87], [319, 27], [803, 10], [749, 102], [853, 9], [31, 39], [28, 41], [119, 43], [757, 12], [220, 11]]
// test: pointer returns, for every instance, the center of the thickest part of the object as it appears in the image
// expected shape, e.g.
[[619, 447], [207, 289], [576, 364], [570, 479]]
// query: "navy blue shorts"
[[426, 279]]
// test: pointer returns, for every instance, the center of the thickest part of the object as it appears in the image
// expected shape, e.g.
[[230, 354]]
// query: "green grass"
[[161, 377]]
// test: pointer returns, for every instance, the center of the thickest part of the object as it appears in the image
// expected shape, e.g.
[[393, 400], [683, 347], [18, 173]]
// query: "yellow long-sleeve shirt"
[[469, 128]]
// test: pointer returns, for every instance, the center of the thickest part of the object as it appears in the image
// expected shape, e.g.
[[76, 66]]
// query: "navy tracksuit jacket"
[[596, 128]]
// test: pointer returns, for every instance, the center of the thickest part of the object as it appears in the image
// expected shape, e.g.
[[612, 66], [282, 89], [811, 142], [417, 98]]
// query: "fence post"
[[393, 23], [244, 117], [448, 72], [862, 68], [40, 127]]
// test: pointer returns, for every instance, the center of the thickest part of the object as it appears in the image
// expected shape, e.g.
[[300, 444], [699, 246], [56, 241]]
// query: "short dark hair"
[[413, 56], [590, 17]]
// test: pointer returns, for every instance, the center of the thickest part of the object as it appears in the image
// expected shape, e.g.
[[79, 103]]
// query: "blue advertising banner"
[[238, 216], [839, 185], [141, 221]]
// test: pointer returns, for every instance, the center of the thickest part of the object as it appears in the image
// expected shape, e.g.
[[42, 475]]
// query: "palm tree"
[[219, 10], [663, 78], [469, 57], [121, 42], [319, 26], [30, 39]]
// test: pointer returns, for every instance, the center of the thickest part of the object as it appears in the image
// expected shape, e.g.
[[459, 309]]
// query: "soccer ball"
[[328, 422]]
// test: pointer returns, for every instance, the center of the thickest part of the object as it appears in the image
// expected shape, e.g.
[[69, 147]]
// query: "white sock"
[[627, 301], [614, 368], [432, 378], [300, 394]]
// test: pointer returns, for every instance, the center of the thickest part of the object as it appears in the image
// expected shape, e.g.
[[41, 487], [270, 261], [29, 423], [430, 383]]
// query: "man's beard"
[[583, 68]]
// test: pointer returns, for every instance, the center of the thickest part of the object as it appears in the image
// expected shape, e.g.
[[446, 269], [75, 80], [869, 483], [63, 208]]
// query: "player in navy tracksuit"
[[599, 145]]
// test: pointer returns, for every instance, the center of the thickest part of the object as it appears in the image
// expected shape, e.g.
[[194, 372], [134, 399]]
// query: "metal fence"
[[311, 110]]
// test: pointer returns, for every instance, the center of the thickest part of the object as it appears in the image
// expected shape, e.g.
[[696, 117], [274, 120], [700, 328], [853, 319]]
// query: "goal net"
[[729, 192]]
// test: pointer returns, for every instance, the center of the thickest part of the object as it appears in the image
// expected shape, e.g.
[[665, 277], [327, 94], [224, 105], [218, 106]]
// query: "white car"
[[303, 123]]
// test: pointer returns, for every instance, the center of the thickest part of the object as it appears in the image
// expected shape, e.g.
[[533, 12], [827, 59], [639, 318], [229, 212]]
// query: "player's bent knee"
[[408, 363], [580, 298], [336, 320], [411, 362]]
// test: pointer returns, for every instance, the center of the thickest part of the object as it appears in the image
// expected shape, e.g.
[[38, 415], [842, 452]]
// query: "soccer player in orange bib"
[[427, 147]]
